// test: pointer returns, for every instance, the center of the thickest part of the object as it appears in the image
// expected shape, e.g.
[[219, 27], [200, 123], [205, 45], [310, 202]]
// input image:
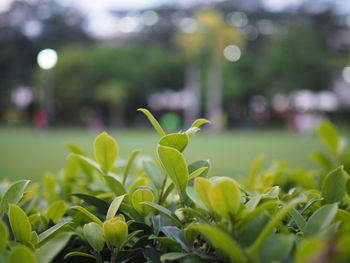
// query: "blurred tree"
[[113, 93], [212, 36], [25, 29], [82, 71], [294, 59]]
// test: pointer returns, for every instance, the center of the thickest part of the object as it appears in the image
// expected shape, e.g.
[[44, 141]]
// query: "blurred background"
[[265, 72]]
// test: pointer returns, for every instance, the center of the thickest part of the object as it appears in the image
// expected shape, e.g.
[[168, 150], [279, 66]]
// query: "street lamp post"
[[47, 59]]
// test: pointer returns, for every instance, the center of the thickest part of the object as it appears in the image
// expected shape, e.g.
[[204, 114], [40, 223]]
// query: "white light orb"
[[47, 58], [232, 53], [346, 74]]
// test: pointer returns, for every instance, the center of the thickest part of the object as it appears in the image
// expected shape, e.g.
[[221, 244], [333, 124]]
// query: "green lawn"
[[25, 153]]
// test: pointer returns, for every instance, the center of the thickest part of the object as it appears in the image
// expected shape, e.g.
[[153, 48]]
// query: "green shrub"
[[168, 210]]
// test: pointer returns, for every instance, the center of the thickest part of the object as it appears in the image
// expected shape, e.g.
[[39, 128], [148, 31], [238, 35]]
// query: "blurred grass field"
[[27, 154]]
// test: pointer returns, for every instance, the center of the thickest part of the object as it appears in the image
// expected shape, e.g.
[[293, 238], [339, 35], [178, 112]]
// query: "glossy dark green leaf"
[[163, 211], [100, 204]]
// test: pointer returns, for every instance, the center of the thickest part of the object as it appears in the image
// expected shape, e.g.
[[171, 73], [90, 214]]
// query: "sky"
[[101, 22]]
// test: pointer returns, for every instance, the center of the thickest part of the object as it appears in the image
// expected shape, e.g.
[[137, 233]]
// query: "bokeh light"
[[47, 58]]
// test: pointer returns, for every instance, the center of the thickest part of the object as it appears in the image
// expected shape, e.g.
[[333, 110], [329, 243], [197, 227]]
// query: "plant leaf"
[[12, 195], [78, 254], [172, 256], [329, 136], [199, 122], [222, 241], [20, 224], [56, 210], [48, 251], [333, 187], [106, 151], [298, 218], [129, 164], [114, 185], [153, 173], [21, 254], [225, 198], [163, 211], [153, 121], [178, 141], [320, 219], [276, 247], [51, 231], [197, 172], [275, 220], [4, 236], [113, 208], [175, 165], [94, 235], [88, 214], [100, 204]]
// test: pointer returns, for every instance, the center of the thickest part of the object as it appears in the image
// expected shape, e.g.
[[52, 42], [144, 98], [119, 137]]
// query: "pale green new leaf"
[[153, 121], [113, 208], [4, 236], [106, 151], [199, 122], [178, 141], [21, 254], [175, 165], [56, 210], [78, 254], [197, 172], [94, 235], [308, 248], [139, 196], [12, 195], [88, 214], [20, 225]]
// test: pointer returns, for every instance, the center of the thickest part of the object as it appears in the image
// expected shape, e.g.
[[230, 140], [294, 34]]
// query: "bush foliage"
[[167, 210]]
